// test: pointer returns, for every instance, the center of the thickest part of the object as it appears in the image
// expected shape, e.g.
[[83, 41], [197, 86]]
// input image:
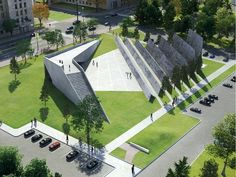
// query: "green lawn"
[[198, 164], [120, 153], [168, 129], [107, 44], [59, 16], [211, 66]]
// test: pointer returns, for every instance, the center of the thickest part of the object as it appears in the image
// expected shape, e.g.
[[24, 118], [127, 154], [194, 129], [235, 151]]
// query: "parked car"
[[29, 133], [54, 145], [45, 142], [205, 103], [33, 35], [106, 23], [92, 28], [233, 79], [228, 85], [212, 56], [92, 164], [196, 110], [107, 16], [205, 54], [76, 22], [72, 155], [69, 31], [36, 137], [213, 96], [70, 28], [209, 99]]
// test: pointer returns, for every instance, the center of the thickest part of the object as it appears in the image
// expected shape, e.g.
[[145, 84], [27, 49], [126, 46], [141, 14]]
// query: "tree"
[[184, 73], [14, 67], [209, 169], [37, 168], [183, 23], [10, 161], [176, 76], [182, 169], [54, 38], [188, 7], [224, 140], [23, 47], [147, 36], [225, 21], [169, 15], [140, 13], [77, 33], [9, 25], [211, 6], [166, 83], [124, 29], [205, 25], [136, 34], [41, 12], [92, 23], [199, 64], [44, 96], [83, 31], [89, 117]]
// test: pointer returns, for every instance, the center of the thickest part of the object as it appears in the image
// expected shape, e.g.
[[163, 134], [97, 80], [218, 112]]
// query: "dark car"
[[45, 142], [29, 133], [233, 79], [36, 137], [209, 99], [196, 110], [212, 56], [72, 155], [205, 54], [92, 28], [54, 145], [226, 59], [69, 31], [114, 14], [70, 28], [33, 35], [205, 103], [107, 16], [76, 22], [228, 85], [213, 96], [92, 164]]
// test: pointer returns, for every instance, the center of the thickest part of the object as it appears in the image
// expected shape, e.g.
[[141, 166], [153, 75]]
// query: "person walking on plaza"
[[97, 64], [31, 123], [35, 122], [67, 139], [151, 117], [132, 169], [93, 62], [130, 75]]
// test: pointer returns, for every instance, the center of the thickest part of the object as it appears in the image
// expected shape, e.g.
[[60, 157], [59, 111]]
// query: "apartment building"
[[103, 4], [19, 10]]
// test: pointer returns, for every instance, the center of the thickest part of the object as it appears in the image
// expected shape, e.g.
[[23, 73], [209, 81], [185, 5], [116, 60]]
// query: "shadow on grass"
[[44, 111], [194, 77], [201, 74], [25, 65], [13, 85], [187, 83]]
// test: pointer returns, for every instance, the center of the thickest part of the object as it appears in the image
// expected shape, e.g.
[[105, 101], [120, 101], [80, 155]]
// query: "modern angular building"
[[19, 10]]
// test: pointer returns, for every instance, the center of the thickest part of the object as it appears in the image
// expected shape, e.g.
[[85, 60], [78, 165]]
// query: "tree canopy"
[[9, 25], [41, 12]]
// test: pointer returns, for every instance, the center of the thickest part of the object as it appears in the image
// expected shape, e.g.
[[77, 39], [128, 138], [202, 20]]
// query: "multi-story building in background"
[[19, 10], [103, 4]]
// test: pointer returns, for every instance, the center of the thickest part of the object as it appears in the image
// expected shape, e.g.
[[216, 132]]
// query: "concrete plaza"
[[111, 73]]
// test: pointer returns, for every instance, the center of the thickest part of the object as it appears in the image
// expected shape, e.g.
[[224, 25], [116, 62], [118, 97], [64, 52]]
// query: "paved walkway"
[[111, 73], [156, 115]]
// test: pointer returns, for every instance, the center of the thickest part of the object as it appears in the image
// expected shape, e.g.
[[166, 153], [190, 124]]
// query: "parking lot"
[[56, 160], [225, 104]]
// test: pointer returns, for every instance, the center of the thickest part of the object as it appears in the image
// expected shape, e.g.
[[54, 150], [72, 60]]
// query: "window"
[[24, 4], [15, 6], [17, 14]]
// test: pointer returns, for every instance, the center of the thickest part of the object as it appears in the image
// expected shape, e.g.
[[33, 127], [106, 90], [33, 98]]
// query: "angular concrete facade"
[[66, 73]]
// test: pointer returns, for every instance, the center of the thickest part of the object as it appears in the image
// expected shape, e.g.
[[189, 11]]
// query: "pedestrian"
[[132, 169], [0, 123], [130, 75], [67, 139], [35, 122], [173, 102], [69, 67], [80, 142], [127, 74], [31, 123], [97, 64], [151, 117], [93, 62], [92, 149]]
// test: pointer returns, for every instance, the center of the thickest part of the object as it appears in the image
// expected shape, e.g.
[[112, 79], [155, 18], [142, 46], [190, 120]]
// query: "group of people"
[[34, 122], [129, 75], [96, 63]]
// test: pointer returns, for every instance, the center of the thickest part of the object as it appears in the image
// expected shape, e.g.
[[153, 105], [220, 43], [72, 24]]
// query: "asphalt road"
[[194, 142], [56, 160]]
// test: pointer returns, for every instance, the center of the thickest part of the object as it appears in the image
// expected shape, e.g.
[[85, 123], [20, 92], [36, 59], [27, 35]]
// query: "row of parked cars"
[[56, 144], [212, 56], [228, 85]]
